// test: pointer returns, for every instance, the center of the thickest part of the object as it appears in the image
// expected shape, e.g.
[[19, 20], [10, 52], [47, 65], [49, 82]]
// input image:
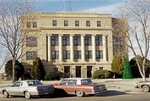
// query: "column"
[[104, 47], [60, 48], [49, 48], [93, 48], [82, 48], [71, 48]]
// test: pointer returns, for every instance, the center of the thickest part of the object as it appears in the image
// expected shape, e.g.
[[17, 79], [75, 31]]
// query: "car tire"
[[27, 95], [5, 93], [146, 88], [79, 93]]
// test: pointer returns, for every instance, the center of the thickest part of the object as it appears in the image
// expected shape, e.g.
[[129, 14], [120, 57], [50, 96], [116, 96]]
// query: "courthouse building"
[[70, 42]]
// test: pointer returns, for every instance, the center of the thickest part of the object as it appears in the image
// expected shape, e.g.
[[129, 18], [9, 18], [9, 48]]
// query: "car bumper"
[[41, 93]]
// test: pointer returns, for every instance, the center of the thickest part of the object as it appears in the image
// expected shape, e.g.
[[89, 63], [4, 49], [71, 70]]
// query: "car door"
[[71, 86], [15, 89]]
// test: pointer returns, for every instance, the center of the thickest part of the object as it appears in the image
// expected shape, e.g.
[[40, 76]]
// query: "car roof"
[[29, 80], [75, 78]]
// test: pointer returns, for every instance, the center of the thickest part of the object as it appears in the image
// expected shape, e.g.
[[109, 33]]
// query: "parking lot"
[[117, 89]]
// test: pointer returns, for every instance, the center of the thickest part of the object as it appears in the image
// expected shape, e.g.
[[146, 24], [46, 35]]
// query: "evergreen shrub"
[[101, 74], [54, 75]]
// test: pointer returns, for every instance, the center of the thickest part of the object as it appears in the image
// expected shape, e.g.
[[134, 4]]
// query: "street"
[[107, 96]]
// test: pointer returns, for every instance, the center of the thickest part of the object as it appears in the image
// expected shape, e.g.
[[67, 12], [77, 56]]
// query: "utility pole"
[[64, 2], [70, 5]]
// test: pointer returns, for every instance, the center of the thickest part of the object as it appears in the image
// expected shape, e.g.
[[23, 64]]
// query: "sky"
[[98, 6]]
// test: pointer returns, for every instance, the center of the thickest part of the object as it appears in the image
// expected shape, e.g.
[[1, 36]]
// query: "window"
[[55, 69], [28, 24], [30, 55], [66, 54], [87, 40], [54, 40], [17, 84], [34, 83], [86, 81], [31, 42], [72, 82], [99, 54], [34, 24], [98, 23], [98, 40], [64, 82], [65, 22], [55, 54], [88, 54], [100, 68], [66, 40], [76, 23], [87, 23], [77, 40], [54, 23], [77, 54]]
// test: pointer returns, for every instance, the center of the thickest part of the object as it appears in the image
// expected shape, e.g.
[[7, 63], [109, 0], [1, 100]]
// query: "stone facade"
[[75, 43]]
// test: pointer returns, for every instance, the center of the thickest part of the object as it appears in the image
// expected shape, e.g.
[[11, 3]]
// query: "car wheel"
[[5, 93], [79, 93], [27, 95], [145, 88]]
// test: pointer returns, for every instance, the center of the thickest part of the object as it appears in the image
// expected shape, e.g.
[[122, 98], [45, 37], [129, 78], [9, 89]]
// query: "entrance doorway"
[[67, 69], [78, 71], [89, 71]]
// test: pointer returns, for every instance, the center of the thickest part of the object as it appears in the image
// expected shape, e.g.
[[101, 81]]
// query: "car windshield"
[[86, 81], [33, 83]]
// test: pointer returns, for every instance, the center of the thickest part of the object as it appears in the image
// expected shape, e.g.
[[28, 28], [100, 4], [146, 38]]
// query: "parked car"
[[80, 86], [27, 88], [144, 85]]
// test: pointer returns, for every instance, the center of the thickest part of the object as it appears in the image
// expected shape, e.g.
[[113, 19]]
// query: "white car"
[[27, 88]]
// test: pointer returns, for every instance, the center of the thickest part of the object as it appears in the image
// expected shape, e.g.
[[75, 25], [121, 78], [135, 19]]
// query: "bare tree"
[[137, 13], [10, 24]]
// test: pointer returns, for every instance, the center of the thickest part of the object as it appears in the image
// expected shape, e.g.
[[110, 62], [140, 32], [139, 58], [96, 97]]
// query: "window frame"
[[54, 41], [65, 22], [28, 25], [98, 40], [88, 24], [88, 40], [66, 54], [54, 22], [88, 54], [31, 55], [55, 54], [99, 54], [66, 40], [98, 23], [34, 25], [31, 41], [77, 40], [77, 23], [77, 54]]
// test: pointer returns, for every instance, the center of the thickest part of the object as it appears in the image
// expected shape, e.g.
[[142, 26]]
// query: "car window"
[[72, 82], [86, 81], [33, 83], [17, 84], [63, 82]]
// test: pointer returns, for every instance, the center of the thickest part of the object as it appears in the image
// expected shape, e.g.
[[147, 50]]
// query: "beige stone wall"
[[45, 30]]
